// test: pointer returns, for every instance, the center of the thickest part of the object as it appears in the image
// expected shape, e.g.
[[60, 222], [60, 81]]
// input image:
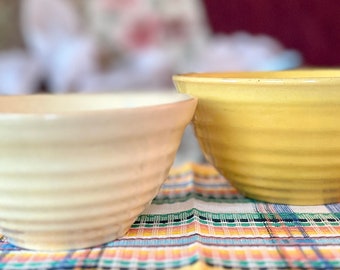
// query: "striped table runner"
[[199, 221]]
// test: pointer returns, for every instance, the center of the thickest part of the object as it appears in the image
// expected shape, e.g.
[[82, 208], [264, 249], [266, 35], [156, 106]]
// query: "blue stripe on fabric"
[[287, 210], [282, 208], [333, 208]]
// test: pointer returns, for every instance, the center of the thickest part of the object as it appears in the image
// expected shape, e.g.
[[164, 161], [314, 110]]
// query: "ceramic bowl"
[[77, 170], [274, 135]]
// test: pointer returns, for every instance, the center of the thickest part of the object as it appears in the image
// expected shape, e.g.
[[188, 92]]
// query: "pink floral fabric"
[[133, 25]]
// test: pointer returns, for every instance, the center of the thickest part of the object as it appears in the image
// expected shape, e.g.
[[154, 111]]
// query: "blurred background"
[[112, 45], [60, 46], [109, 45]]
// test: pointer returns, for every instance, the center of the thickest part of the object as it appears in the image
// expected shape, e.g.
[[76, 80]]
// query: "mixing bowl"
[[77, 170], [274, 135]]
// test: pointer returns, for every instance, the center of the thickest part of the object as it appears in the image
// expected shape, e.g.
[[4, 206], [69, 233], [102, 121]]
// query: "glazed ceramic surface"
[[77, 170], [274, 135]]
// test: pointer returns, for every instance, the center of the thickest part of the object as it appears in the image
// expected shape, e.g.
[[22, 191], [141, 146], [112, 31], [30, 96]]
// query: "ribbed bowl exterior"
[[81, 180], [274, 141]]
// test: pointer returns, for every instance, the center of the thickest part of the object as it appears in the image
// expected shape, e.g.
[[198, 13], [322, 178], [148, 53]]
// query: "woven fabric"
[[199, 221]]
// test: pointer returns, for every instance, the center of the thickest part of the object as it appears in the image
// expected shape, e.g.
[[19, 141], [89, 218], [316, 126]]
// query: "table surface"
[[199, 221]]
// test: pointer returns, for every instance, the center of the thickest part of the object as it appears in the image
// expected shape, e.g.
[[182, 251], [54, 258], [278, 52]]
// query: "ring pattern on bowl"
[[274, 135], [80, 177]]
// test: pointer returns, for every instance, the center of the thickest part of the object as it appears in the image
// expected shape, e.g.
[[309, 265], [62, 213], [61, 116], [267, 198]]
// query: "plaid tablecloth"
[[199, 221]]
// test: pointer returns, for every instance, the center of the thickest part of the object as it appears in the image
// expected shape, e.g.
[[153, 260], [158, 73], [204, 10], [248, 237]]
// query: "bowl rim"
[[293, 76], [170, 98]]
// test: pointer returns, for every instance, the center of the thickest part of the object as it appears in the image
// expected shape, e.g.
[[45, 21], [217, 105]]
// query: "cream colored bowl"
[[274, 135], [77, 170]]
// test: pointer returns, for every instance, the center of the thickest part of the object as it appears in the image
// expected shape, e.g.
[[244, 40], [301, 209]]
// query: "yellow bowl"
[[77, 170], [274, 135]]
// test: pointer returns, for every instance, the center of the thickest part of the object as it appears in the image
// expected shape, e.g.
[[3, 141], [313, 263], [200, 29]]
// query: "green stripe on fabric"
[[241, 219], [245, 264], [149, 264], [187, 196], [270, 264]]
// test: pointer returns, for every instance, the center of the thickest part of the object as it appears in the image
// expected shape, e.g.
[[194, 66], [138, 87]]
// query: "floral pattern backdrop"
[[139, 24], [108, 45], [131, 26]]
